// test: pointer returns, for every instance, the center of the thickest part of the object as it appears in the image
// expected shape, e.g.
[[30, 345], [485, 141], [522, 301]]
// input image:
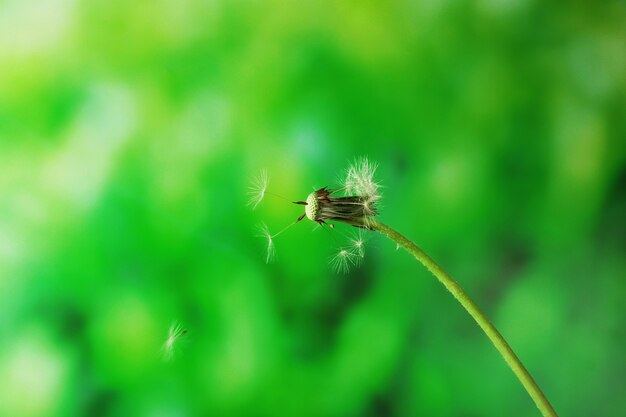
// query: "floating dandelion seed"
[[357, 246], [257, 189], [271, 251], [169, 348], [343, 260], [265, 233]]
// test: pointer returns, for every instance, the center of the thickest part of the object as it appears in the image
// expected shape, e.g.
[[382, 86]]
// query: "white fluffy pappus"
[[343, 260], [359, 179], [270, 249], [257, 189], [170, 347]]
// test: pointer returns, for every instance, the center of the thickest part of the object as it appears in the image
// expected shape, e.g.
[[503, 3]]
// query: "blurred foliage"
[[129, 132]]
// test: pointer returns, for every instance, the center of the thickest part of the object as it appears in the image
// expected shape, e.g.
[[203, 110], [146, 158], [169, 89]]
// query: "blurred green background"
[[129, 132]]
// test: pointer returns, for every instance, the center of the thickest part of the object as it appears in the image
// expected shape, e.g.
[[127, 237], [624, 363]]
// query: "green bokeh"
[[130, 131]]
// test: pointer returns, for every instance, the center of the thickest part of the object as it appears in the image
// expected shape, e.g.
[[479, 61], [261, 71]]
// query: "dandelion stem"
[[483, 321]]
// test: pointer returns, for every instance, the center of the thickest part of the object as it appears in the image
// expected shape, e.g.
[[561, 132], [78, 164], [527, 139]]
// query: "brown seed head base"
[[353, 210]]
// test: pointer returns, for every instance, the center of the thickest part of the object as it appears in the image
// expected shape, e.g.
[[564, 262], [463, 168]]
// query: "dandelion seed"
[[357, 244], [169, 348], [257, 189], [342, 260], [265, 233], [270, 251]]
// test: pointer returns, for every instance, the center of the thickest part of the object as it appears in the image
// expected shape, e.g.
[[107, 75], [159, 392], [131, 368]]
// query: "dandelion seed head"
[[343, 260], [311, 206], [356, 207], [174, 333], [257, 189], [323, 205]]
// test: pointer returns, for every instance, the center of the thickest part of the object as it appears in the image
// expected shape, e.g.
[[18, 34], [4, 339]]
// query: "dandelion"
[[174, 333], [358, 208], [257, 189], [322, 206], [343, 260]]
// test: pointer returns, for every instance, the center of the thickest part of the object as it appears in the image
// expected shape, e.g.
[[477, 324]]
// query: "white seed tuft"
[[357, 245], [169, 348], [343, 260], [271, 251], [360, 179], [257, 189]]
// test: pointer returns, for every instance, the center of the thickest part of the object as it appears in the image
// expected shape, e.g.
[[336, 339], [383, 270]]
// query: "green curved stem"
[[483, 321]]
